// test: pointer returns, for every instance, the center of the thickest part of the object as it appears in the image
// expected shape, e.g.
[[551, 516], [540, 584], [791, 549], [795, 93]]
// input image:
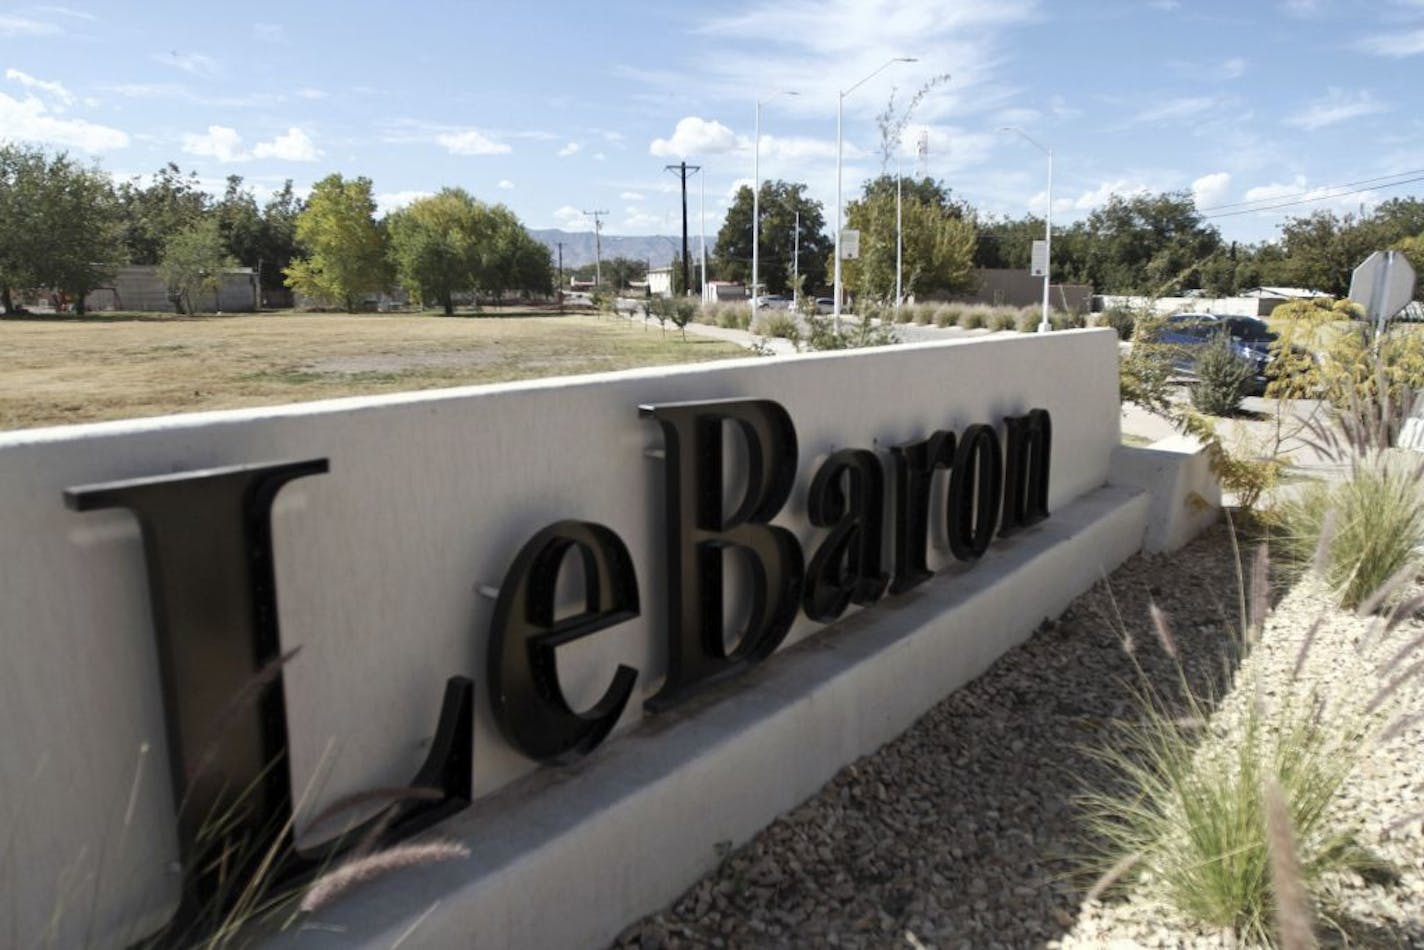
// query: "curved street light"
[[840, 108], [756, 191], [1044, 326]]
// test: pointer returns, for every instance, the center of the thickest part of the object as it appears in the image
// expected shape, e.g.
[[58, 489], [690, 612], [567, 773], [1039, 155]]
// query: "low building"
[[138, 287]]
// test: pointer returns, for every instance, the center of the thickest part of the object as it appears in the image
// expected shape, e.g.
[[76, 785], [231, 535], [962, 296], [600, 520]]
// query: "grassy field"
[[86, 369]]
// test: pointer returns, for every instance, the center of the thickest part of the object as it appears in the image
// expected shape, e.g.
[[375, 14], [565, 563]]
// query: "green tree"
[[239, 222], [278, 246], [1007, 243], [780, 202], [938, 240], [346, 249], [1149, 244], [61, 225], [193, 262], [171, 202], [439, 245], [621, 271]]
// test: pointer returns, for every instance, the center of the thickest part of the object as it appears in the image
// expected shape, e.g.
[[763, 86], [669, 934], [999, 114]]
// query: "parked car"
[[825, 305], [774, 301], [1251, 341]]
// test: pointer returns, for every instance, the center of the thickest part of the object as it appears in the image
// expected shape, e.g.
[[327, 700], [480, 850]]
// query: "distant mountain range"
[[579, 249]]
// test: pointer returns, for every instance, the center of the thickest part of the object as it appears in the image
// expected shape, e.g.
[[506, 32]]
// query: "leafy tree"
[[239, 222], [780, 202], [938, 240], [438, 245], [153, 214], [1007, 243], [61, 224], [1149, 244], [346, 249], [193, 262], [278, 246], [1321, 251], [621, 271]]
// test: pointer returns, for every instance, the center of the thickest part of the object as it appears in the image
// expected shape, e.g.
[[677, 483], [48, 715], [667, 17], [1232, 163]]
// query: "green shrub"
[[975, 317], [1121, 319], [1004, 320], [1371, 525], [1222, 380], [1192, 823], [947, 315], [779, 324], [1029, 319], [1061, 320]]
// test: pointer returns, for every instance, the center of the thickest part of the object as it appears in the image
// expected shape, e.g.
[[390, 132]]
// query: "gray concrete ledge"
[[567, 857]]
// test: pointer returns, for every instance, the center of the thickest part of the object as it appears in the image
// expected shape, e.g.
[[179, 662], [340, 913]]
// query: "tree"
[[622, 271], [239, 223], [193, 262], [438, 245], [1149, 244], [938, 240], [170, 203], [346, 249], [278, 246], [780, 203], [61, 224], [892, 122], [1007, 243]]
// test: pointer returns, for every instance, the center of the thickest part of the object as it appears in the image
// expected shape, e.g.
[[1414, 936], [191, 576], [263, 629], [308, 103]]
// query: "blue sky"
[[558, 107]]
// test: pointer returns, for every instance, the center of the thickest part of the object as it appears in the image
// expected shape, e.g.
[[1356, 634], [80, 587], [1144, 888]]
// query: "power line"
[[1312, 191], [1311, 200]]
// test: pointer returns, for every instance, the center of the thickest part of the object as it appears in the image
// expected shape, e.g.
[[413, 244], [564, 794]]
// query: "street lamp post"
[[756, 193], [1044, 325], [840, 109]]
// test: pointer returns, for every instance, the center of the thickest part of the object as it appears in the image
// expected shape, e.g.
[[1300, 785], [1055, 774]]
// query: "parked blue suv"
[[1251, 340]]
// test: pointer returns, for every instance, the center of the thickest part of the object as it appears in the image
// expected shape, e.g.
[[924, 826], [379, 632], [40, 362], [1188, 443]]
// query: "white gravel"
[[964, 831]]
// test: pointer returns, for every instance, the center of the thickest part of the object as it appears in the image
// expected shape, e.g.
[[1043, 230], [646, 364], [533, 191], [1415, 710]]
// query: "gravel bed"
[[965, 832]]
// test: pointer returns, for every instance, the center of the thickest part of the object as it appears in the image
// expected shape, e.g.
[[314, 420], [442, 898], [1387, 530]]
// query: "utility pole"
[[561, 275], [597, 248], [682, 170]]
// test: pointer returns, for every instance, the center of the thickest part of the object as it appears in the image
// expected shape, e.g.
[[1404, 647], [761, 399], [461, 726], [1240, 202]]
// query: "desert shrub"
[[1193, 823], [1004, 320], [947, 315], [1222, 380], [1366, 528], [1121, 319], [1062, 320], [854, 332], [779, 324], [1028, 320], [975, 317]]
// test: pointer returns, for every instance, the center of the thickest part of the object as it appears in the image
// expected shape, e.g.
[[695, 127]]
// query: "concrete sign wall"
[[386, 566]]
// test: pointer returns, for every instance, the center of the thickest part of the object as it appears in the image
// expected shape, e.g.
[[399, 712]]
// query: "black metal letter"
[[976, 486], [846, 567], [915, 465], [699, 535], [1028, 453], [528, 703], [207, 541]]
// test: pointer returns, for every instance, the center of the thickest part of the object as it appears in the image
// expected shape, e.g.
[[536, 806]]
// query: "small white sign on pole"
[[850, 244], [1038, 261]]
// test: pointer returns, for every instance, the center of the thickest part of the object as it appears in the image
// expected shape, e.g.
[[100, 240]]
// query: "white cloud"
[[395, 200], [572, 148], [220, 142], [29, 120], [198, 64], [225, 145], [1337, 106], [54, 89], [1176, 109], [695, 136], [1100, 195], [506, 185], [294, 146], [1234, 68], [631, 196], [1303, 8], [737, 186], [1395, 45], [570, 218], [600, 156], [471, 142], [65, 11], [307, 92], [1211, 190], [19, 26], [796, 148], [1164, 4]]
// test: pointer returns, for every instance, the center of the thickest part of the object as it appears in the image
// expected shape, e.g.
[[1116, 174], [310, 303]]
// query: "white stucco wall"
[[429, 497]]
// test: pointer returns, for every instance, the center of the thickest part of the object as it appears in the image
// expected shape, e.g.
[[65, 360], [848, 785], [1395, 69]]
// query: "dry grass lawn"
[[87, 369]]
